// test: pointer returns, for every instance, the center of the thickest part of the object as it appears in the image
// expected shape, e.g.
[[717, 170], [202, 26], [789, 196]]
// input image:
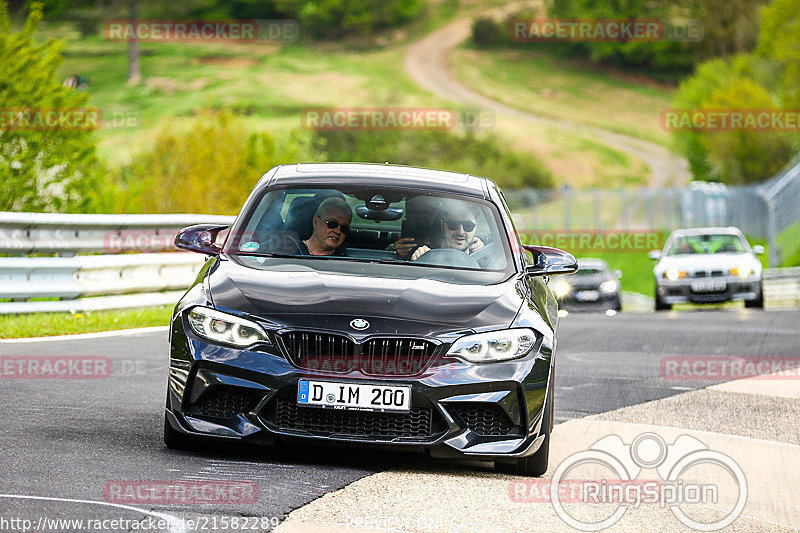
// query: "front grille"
[[396, 357], [326, 352], [222, 401], [484, 419], [290, 416]]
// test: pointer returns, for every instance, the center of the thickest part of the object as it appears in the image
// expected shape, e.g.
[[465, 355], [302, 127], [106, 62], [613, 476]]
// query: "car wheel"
[[758, 302], [617, 305], [536, 464], [660, 305]]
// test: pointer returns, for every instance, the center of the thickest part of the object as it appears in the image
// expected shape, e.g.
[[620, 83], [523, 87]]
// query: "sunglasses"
[[453, 225], [333, 224]]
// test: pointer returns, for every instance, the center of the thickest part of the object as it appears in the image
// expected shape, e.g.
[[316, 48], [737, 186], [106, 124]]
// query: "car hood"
[[691, 262], [306, 298]]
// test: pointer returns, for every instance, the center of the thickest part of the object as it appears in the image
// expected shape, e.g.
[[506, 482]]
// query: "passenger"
[[457, 227], [331, 226]]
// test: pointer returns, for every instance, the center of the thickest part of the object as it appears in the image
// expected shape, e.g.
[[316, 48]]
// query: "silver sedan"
[[707, 265]]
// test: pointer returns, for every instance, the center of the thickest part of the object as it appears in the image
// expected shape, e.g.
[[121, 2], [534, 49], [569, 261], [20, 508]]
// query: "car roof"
[[372, 174], [686, 232]]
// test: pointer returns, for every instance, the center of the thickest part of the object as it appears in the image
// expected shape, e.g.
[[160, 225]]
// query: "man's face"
[[329, 238], [456, 235]]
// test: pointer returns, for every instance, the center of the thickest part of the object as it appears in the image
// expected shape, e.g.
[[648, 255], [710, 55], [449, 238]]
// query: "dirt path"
[[427, 62]]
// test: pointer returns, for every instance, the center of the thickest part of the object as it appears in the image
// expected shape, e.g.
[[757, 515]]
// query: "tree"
[[41, 168]]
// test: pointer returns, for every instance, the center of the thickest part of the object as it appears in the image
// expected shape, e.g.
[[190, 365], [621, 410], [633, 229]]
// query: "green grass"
[[567, 89], [788, 242], [270, 85], [47, 324]]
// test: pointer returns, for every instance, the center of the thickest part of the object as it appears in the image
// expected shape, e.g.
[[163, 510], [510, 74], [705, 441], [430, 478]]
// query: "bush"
[[437, 149], [338, 18], [486, 33], [47, 169], [208, 164]]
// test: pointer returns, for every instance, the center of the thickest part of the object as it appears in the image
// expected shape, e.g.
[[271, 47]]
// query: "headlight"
[[673, 274], [742, 270], [609, 286], [494, 346], [561, 288], [222, 327]]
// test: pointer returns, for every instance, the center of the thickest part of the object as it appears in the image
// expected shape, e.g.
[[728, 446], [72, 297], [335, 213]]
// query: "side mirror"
[[549, 261], [758, 249], [655, 255], [200, 238], [618, 274]]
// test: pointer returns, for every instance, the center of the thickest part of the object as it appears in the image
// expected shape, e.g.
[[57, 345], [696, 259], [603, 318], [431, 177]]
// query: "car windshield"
[[711, 243], [589, 271], [392, 228]]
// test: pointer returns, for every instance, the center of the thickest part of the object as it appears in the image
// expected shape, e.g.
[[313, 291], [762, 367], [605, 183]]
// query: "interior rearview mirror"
[[549, 261]]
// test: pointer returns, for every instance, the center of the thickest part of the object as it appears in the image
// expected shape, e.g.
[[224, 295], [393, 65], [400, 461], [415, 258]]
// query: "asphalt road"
[[66, 439]]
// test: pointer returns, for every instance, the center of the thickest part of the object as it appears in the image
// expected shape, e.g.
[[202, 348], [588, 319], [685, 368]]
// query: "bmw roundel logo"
[[359, 324]]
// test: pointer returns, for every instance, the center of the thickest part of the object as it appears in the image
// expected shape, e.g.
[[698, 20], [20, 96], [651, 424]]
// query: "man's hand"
[[476, 245], [404, 246], [419, 251]]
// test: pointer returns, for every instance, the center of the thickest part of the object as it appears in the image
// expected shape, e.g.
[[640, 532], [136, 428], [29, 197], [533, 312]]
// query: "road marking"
[[176, 525], [82, 336]]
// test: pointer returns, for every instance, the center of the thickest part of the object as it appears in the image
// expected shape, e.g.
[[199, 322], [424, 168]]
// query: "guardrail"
[[27, 233], [112, 280], [117, 280], [782, 287]]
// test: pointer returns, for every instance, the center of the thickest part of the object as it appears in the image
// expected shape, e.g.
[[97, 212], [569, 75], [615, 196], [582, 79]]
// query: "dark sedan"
[[594, 287], [369, 305]]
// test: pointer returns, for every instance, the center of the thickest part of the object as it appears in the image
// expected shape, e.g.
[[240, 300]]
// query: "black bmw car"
[[369, 305]]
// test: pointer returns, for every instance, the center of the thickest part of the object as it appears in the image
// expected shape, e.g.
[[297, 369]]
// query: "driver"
[[457, 227], [331, 225]]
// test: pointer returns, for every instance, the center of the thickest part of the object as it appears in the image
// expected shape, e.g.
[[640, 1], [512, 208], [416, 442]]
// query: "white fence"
[[89, 282]]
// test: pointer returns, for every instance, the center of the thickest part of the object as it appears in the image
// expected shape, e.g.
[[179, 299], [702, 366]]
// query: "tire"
[[660, 305], [617, 305], [536, 464], [758, 303]]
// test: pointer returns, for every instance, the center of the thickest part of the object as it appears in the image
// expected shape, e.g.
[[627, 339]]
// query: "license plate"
[[587, 296], [709, 285], [354, 396]]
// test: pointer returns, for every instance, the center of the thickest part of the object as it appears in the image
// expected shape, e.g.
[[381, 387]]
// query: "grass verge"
[[566, 89], [48, 324]]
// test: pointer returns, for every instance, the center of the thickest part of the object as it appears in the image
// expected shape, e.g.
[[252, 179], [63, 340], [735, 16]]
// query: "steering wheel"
[[282, 242], [487, 256], [447, 257]]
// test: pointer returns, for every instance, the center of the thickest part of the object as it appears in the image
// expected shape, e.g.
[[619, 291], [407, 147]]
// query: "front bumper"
[[603, 302], [457, 409], [736, 288]]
